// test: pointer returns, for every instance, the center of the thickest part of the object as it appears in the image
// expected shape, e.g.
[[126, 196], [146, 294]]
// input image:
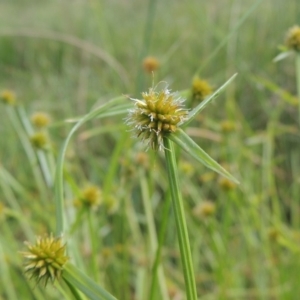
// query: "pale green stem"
[[298, 81], [82, 282], [162, 234], [137, 238], [39, 153], [5, 276], [93, 241], [28, 150], [152, 234], [147, 39], [182, 233], [59, 174]]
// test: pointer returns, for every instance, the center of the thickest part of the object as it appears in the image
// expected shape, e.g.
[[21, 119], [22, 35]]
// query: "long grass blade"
[[186, 143]]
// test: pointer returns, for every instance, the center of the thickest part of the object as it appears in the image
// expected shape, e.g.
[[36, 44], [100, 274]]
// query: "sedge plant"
[[158, 119]]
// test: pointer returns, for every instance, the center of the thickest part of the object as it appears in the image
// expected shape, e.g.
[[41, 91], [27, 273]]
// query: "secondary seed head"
[[39, 140], [45, 259], [40, 119], [293, 38], [90, 197], [158, 114], [200, 89], [150, 64], [8, 97]]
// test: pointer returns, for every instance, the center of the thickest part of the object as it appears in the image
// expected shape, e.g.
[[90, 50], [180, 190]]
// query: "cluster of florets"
[[158, 114], [45, 259], [200, 89], [293, 38]]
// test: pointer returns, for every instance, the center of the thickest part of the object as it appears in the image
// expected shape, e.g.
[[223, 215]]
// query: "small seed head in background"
[[226, 184], [90, 197], [204, 209], [150, 64], [158, 114], [8, 97], [45, 259], [227, 126], [293, 38], [200, 89], [40, 119], [207, 177], [39, 140]]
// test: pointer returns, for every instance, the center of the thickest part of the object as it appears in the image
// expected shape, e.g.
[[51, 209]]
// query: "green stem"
[[182, 233], [161, 238], [59, 174], [147, 40], [12, 113], [80, 281], [74, 291], [39, 153], [93, 241], [298, 81], [152, 235]]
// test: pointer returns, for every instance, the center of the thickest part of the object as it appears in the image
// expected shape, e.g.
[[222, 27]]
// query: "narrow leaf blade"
[[282, 56], [186, 143], [86, 285], [59, 188]]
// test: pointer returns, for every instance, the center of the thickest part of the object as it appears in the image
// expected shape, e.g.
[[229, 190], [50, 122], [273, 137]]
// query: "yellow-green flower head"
[[39, 140], [40, 119], [158, 114], [8, 97], [150, 64], [200, 89], [90, 197], [45, 259], [293, 38]]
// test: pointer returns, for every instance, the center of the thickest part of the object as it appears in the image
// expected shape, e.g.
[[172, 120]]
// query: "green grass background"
[[66, 57]]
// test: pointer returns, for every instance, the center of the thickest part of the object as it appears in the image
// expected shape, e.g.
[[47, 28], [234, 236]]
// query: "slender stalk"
[[28, 150], [8, 282], [182, 233], [146, 40], [152, 235], [298, 81], [59, 172], [93, 241], [41, 156], [161, 238]]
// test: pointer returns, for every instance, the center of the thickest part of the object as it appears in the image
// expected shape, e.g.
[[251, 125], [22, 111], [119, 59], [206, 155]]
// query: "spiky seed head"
[[158, 114], [45, 259], [40, 119], [150, 64], [293, 38], [39, 140], [8, 97], [200, 89]]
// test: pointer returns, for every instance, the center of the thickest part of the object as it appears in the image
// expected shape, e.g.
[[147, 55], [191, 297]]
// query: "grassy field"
[[67, 58]]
